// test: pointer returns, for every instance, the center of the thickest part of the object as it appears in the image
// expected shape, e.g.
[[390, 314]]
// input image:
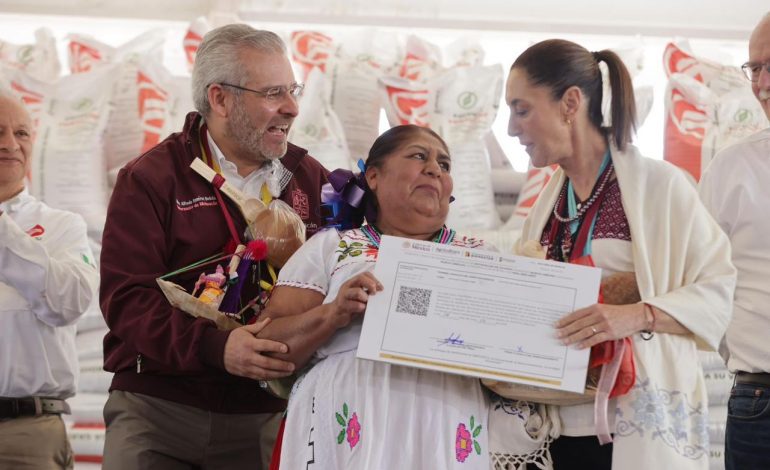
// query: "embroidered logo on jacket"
[[36, 232], [300, 203], [199, 201]]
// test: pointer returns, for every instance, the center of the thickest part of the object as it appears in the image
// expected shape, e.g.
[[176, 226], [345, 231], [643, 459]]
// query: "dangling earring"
[[568, 121]]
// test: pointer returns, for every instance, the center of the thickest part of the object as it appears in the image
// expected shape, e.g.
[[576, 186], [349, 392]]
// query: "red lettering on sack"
[[153, 104], [83, 57], [311, 49], [409, 106], [192, 41]]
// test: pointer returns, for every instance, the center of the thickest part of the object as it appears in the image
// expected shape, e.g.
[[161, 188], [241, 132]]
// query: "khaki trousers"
[[145, 432], [34, 442]]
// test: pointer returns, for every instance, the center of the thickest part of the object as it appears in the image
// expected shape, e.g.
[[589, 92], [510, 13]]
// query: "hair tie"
[[604, 73], [343, 197]]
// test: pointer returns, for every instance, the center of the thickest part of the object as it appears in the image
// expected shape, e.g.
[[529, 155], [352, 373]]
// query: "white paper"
[[476, 313]]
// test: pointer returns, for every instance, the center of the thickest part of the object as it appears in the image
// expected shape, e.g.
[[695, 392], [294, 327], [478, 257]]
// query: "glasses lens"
[[296, 90], [746, 69]]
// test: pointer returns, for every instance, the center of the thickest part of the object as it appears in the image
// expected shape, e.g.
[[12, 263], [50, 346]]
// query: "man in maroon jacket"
[[185, 394]]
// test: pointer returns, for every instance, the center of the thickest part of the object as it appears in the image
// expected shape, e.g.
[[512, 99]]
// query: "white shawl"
[[682, 265]]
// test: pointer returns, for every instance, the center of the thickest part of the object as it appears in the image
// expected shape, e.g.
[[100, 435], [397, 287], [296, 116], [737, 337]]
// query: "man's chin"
[[274, 153]]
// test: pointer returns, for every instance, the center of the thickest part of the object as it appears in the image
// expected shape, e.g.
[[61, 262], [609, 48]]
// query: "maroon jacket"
[[163, 216]]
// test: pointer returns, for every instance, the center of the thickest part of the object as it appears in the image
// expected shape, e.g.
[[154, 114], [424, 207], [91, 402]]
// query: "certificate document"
[[476, 313]]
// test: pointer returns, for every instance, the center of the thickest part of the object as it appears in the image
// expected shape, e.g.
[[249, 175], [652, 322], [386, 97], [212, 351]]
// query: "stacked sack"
[[708, 106], [719, 382], [85, 426]]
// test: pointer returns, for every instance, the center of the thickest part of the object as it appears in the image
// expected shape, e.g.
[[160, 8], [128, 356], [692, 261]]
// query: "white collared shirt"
[[48, 278], [270, 173], [734, 188]]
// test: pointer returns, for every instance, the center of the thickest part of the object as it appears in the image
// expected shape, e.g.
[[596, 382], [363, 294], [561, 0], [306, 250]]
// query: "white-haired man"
[[734, 189], [185, 394], [47, 280]]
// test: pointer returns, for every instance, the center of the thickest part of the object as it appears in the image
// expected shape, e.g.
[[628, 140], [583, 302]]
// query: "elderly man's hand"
[[243, 354]]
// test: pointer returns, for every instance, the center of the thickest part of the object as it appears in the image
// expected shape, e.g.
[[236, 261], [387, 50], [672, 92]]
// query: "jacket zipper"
[[138, 363]]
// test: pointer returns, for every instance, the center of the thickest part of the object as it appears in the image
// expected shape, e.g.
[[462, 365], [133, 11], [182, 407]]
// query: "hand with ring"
[[600, 322]]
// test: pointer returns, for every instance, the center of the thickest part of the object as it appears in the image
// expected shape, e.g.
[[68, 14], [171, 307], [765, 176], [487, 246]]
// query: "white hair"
[[12, 96], [217, 59]]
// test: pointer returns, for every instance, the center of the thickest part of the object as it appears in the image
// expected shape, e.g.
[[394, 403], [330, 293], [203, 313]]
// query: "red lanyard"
[[208, 158]]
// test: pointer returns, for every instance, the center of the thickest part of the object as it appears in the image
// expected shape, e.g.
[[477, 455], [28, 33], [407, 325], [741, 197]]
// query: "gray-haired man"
[[185, 394]]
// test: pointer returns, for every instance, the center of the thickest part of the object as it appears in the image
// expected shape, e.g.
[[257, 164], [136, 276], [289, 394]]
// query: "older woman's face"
[[536, 119], [414, 181]]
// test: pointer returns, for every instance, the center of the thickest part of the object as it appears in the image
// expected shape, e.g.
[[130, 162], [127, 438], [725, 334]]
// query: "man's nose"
[[764, 76], [8, 142], [289, 105]]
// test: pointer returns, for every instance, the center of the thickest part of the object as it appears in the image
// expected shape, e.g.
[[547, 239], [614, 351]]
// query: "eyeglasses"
[[275, 93], [753, 69]]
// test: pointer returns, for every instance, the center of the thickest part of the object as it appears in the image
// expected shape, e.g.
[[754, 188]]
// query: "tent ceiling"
[[721, 19]]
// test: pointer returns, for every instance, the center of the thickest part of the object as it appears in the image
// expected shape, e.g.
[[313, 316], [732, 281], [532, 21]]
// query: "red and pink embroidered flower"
[[351, 427], [465, 442], [354, 430]]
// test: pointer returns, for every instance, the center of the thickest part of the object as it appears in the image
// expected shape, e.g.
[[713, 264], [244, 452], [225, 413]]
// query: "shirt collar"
[[225, 163], [14, 204]]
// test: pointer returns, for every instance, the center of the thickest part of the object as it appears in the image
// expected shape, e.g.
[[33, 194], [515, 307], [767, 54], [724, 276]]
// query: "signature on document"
[[453, 339]]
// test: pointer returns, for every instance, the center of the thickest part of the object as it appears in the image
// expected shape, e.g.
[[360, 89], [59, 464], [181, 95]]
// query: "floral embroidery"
[[351, 427], [464, 440], [666, 415], [371, 251], [354, 431], [352, 249], [520, 409]]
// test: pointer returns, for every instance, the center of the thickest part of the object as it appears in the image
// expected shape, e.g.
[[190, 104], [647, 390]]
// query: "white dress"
[[347, 413]]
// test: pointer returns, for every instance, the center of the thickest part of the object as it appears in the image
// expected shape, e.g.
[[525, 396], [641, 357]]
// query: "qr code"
[[413, 301]]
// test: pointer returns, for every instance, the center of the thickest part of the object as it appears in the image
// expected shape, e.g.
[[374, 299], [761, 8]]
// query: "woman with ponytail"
[[346, 413], [610, 207]]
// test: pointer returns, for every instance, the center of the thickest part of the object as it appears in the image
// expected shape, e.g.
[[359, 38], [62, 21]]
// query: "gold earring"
[[568, 121]]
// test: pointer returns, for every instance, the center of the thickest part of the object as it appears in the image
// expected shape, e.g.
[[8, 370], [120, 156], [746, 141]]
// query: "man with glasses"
[[735, 190], [185, 394]]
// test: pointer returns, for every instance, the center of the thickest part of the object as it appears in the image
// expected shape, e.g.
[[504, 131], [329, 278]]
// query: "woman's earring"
[[568, 121]]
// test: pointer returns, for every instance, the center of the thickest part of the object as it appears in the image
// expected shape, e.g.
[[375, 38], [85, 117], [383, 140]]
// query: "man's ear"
[[570, 102], [218, 100]]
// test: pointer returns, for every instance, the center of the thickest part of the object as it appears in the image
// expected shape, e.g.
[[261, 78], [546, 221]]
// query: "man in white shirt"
[[735, 190], [47, 280]]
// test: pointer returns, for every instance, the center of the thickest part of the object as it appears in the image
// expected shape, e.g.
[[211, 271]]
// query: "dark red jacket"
[[163, 216]]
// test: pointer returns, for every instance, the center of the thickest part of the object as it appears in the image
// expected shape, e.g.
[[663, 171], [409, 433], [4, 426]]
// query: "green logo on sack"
[[467, 99], [24, 55], [311, 130], [82, 105], [742, 115]]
